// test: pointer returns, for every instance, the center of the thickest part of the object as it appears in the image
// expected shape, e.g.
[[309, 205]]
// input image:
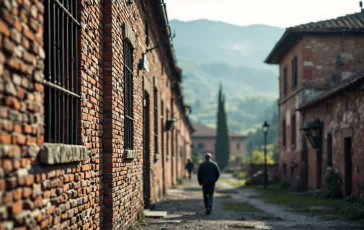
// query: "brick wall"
[[342, 115], [102, 189], [317, 62]]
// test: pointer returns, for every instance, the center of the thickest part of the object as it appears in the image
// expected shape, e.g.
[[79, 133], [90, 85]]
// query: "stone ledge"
[[51, 153], [130, 154], [157, 156]]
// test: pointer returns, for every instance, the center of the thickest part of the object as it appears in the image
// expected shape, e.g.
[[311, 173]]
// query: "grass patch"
[[240, 175], [274, 194], [180, 181], [240, 207], [299, 203], [235, 183]]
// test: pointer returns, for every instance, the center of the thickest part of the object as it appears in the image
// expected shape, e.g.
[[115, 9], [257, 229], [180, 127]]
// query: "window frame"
[[156, 149], [128, 96], [61, 82], [294, 72], [285, 83]]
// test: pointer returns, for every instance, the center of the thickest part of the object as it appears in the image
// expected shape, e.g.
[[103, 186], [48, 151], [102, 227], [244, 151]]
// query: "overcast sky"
[[282, 13]]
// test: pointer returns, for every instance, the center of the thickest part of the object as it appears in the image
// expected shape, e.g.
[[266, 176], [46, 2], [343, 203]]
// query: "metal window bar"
[[167, 135], [155, 121], [61, 71], [128, 95]]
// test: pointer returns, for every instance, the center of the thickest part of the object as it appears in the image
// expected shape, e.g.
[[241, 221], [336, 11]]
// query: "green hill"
[[211, 52]]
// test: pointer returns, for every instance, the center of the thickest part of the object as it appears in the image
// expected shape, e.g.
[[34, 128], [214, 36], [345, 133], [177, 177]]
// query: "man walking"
[[208, 174], [189, 167]]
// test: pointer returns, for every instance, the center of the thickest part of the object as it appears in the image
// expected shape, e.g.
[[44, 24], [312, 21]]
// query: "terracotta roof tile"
[[204, 131], [349, 22]]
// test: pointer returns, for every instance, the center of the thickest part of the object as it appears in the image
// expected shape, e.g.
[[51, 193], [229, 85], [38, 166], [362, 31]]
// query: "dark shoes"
[[208, 210]]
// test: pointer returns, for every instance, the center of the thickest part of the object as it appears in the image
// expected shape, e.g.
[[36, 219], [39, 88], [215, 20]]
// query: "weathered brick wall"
[[33, 194], [344, 112], [289, 153], [317, 57], [105, 191]]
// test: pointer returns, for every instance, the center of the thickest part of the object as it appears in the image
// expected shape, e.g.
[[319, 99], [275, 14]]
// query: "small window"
[[238, 146], [294, 72], [62, 93], [292, 170], [285, 81], [128, 95], [284, 133]]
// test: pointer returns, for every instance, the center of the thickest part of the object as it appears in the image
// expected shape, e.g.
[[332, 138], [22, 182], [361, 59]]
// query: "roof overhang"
[[349, 84], [292, 36]]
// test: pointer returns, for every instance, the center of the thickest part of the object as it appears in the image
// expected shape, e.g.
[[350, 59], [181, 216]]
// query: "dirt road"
[[186, 211]]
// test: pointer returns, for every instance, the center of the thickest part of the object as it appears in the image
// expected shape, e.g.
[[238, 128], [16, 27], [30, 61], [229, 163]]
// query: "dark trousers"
[[208, 192], [189, 174]]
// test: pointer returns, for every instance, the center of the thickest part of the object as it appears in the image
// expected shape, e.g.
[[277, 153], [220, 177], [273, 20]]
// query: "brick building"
[[313, 58], [338, 116], [92, 120], [204, 139]]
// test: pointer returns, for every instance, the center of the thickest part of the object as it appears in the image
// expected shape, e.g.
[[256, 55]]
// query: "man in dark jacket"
[[208, 174], [189, 167]]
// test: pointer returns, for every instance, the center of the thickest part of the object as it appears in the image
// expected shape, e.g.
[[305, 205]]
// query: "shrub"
[[333, 183], [353, 208], [238, 174], [284, 185]]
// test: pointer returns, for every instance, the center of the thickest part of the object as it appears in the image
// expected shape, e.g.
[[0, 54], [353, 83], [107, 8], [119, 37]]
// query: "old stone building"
[[204, 139], [92, 120], [313, 58], [333, 123]]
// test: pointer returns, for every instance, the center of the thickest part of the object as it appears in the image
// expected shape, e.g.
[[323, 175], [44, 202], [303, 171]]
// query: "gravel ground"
[[186, 211]]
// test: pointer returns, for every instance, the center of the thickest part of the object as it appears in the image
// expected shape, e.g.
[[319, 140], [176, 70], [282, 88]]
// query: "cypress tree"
[[222, 147]]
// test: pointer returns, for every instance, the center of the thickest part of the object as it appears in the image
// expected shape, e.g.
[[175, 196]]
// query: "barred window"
[[167, 135], [155, 120], [128, 95], [61, 71]]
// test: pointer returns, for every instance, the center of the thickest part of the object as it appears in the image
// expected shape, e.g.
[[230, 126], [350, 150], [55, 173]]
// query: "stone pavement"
[[186, 211]]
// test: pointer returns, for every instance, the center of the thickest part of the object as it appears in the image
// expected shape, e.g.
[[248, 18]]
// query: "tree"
[[222, 147], [258, 157]]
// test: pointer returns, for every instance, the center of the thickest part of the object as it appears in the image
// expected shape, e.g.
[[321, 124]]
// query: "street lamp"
[[265, 130]]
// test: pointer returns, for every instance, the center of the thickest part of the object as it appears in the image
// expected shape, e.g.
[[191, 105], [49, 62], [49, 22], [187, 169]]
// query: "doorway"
[[146, 148], [318, 168], [304, 163], [348, 167]]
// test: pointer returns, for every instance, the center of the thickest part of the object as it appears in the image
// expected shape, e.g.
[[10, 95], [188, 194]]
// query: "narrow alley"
[[185, 211]]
